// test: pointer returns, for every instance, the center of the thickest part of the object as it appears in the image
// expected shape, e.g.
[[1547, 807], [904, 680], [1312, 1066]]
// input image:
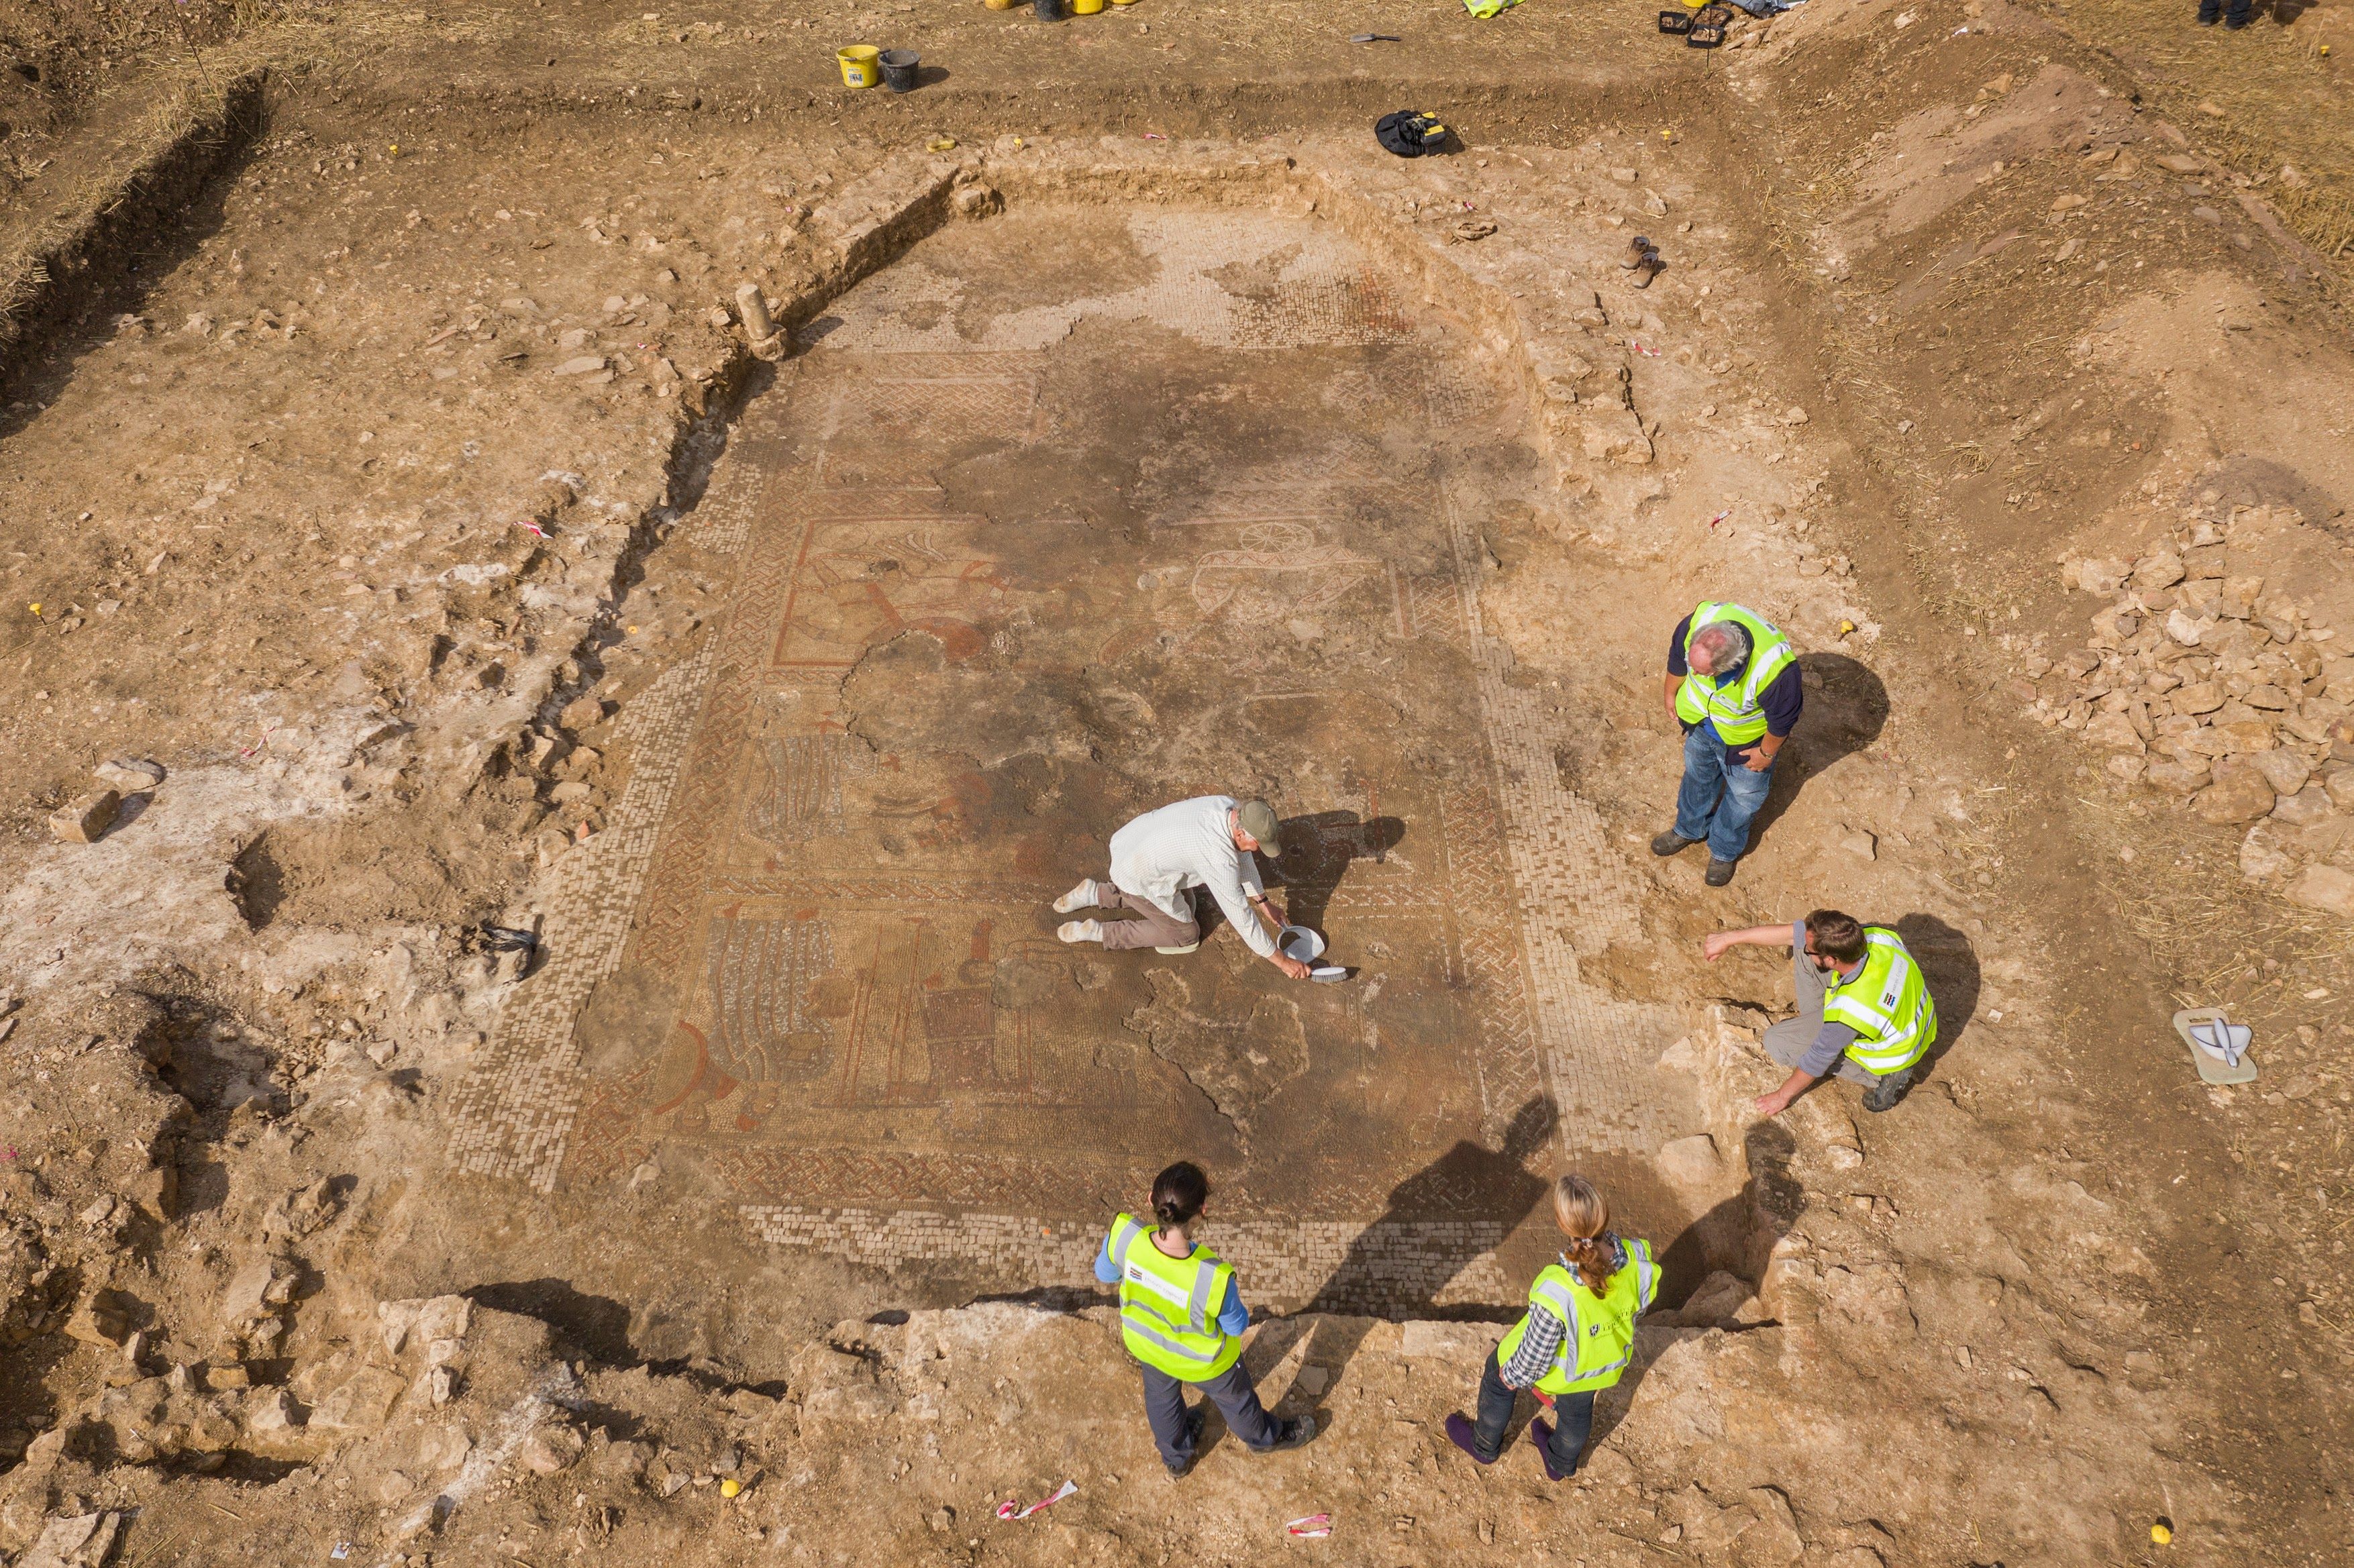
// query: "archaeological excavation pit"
[[614, 577], [1066, 513]]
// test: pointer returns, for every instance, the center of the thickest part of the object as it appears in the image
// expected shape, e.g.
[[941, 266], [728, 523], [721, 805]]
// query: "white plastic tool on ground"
[[2218, 1046], [1300, 943], [1010, 1509]]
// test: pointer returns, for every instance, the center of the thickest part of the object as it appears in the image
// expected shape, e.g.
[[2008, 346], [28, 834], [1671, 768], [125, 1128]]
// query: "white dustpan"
[[2219, 1047]]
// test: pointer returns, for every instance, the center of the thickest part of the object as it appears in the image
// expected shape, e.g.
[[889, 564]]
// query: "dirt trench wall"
[[70, 262]]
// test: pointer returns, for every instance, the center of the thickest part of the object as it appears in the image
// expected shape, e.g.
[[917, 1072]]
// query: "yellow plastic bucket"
[[862, 65], [1086, 7]]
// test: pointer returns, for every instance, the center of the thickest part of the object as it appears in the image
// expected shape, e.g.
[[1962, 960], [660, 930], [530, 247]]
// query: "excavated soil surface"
[[1065, 514], [571, 1060]]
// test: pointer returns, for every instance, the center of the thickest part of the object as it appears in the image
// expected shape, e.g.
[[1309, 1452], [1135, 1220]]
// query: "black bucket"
[[899, 69], [1047, 10]]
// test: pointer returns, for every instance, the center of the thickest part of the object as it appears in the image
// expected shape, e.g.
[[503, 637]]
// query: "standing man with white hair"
[[1732, 682]]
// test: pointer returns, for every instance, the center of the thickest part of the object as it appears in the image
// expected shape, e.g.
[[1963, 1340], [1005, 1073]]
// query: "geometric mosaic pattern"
[[513, 1112], [944, 678], [1284, 1266]]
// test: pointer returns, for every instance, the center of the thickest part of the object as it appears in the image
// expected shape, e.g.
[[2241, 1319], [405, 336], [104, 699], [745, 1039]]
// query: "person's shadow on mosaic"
[[1319, 850], [1437, 1223]]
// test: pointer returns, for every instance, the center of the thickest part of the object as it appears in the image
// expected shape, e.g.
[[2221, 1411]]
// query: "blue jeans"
[[1573, 1419], [1718, 796]]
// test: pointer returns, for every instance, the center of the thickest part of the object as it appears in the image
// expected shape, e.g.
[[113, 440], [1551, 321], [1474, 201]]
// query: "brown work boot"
[[1670, 843]]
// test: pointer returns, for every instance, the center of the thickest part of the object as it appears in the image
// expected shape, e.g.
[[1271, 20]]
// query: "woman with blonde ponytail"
[[1574, 1341]]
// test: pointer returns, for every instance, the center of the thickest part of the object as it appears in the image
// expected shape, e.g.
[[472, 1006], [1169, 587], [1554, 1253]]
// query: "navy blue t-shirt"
[[1782, 699]]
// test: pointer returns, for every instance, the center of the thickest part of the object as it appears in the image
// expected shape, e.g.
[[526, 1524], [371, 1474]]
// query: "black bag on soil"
[[1410, 133]]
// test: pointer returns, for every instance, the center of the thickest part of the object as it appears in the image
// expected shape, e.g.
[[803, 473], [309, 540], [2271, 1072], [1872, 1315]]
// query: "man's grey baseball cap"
[[1257, 818]]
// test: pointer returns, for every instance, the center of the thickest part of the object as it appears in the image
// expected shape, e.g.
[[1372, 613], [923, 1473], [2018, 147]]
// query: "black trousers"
[[1230, 1391], [2211, 9]]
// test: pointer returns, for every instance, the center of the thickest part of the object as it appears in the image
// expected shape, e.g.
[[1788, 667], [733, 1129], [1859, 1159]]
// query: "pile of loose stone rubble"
[[2206, 680]]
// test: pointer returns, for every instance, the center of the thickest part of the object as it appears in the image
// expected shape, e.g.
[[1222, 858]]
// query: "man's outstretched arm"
[[1717, 943]]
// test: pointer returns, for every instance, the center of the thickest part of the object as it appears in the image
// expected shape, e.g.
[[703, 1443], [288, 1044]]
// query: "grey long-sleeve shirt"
[[1834, 1038], [1189, 844]]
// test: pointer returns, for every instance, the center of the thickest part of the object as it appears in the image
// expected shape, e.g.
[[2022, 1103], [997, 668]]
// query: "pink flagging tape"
[[1010, 1509], [1315, 1527]]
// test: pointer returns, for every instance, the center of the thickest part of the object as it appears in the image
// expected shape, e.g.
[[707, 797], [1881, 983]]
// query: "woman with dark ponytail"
[[1183, 1318], [1574, 1341]]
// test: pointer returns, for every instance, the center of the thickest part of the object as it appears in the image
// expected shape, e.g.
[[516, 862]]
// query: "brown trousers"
[[1152, 926]]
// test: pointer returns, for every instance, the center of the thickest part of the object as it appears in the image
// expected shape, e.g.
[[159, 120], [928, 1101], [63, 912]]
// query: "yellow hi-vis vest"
[[1168, 1306], [1886, 1004], [1601, 1339], [1733, 707]]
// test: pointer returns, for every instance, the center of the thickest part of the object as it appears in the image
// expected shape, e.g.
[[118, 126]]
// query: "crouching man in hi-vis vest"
[[1182, 1318], [1863, 1008], [1574, 1341]]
